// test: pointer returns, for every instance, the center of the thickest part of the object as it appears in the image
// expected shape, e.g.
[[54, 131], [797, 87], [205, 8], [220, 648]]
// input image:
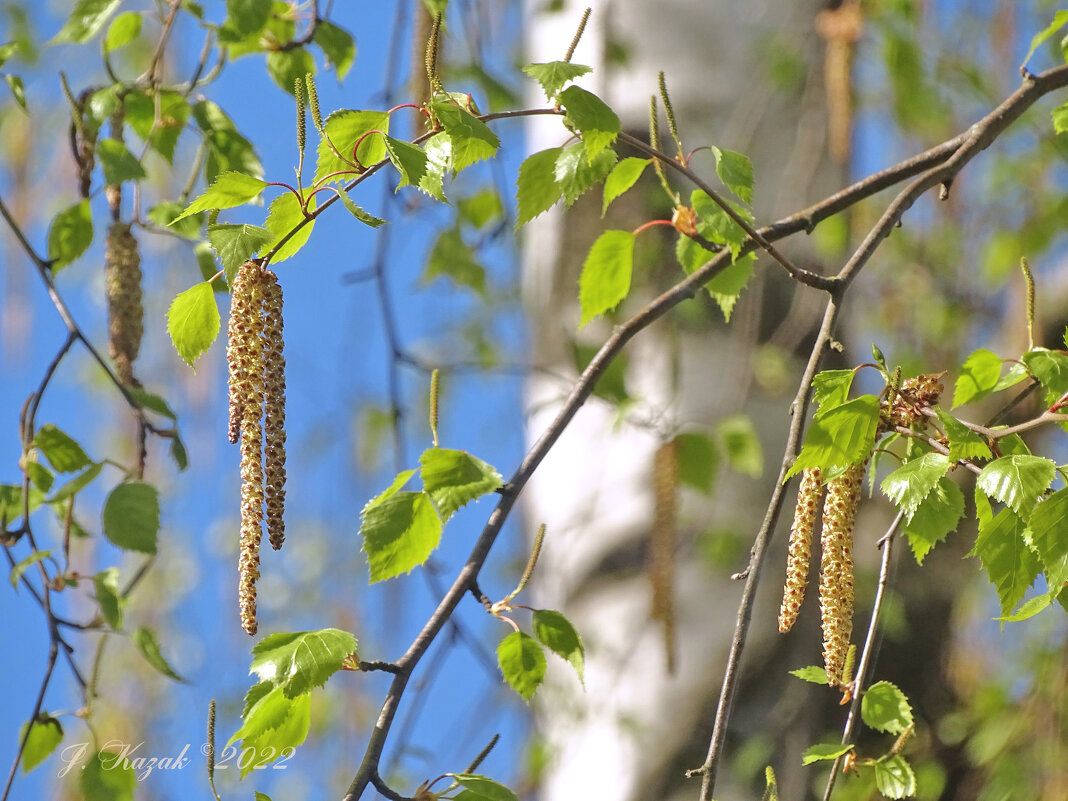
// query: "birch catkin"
[[800, 550], [274, 452], [663, 543], [122, 282], [836, 569]]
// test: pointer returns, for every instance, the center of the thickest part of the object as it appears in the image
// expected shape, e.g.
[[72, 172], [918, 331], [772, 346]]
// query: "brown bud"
[[800, 550], [836, 569], [122, 282]]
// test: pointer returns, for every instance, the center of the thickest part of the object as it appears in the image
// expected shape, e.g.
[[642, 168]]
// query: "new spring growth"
[[669, 110], [505, 605], [432, 57], [211, 749], [298, 92], [654, 141], [578, 34], [1029, 279], [434, 385], [313, 101]]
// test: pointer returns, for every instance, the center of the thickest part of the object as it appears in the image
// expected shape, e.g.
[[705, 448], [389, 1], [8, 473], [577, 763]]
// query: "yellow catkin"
[[122, 282], [274, 428], [800, 549], [841, 29], [662, 544], [836, 573]]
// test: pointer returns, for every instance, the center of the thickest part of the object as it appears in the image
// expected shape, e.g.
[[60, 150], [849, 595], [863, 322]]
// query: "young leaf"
[[623, 176], [288, 66], [131, 517], [885, 708], [236, 244], [409, 160], [1030, 608], [451, 257], [937, 515], [894, 777], [399, 481], [813, 674], [70, 235], [248, 16], [106, 586], [843, 436], [118, 163], [1050, 367], [229, 189], [963, 442], [24, 565], [272, 724], [556, 633], [575, 173], [536, 188], [77, 483], [1060, 119], [123, 29], [158, 118], [1009, 563], [480, 788], [1047, 527], [285, 214], [740, 441], [830, 388], [979, 375], [107, 776], [824, 752], [344, 128], [726, 287], [715, 225], [356, 211], [481, 209], [1017, 481], [164, 215], [193, 322], [471, 139], [592, 117], [300, 661], [697, 459], [455, 478], [554, 74], [1060, 19], [438, 150], [522, 663], [399, 533], [605, 278], [736, 172], [63, 453], [149, 647], [46, 734], [85, 21], [337, 45], [911, 483], [40, 476]]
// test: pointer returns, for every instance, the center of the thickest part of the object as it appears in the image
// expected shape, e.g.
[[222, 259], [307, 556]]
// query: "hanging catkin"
[[836, 569], [274, 428], [122, 282], [800, 549], [662, 544]]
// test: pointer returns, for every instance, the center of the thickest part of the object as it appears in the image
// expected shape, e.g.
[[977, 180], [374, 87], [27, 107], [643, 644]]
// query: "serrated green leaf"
[[1017, 481], [1013, 376], [885, 708], [911, 483], [85, 21], [894, 777], [300, 661], [399, 481], [522, 663], [978, 377], [286, 67], [1060, 19], [285, 214], [131, 517], [193, 322], [716, 226], [272, 723], [830, 388], [344, 128], [123, 29], [248, 16], [24, 565], [963, 442], [576, 174], [736, 172], [1009, 563], [1048, 535], [553, 75], [70, 235], [399, 533], [536, 188], [471, 139], [438, 150], [455, 478], [824, 752], [46, 734], [236, 244], [106, 587], [813, 674], [481, 788], [337, 45], [726, 287], [409, 160], [623, 176], [938, 515], [697, 459], [592, 117], [149, 647], [229, 190], [556, 633], [605, 278], [1051, 369], [62, 452], [843, 436], [1030, 608], [452, 258], [158, 118], [742, 445], [77, 483], [356, 211]]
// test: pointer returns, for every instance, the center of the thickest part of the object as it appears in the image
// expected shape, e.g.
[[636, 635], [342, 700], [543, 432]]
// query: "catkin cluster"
[[836, 569], [122, 282], [254, 355], [800, 549]]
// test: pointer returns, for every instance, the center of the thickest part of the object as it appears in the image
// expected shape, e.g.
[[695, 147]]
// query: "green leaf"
[[1060, 19], [471, 139], [830, 388], [455, 478], [843, 436], [286, 67], [345, 128], [1013, 376], [107, 776], [123, 29], [1047, 535], [576, 174], [714, 224], [11, 501], [481, 209], [740, 441], [938, 514], [894, 777], [18, 91], [193, 322], [605, 278], [736, 172], [63, 453], [409, 160], [77, 483], [106, 585], [285, 214], [553, 75], [522, 663], [813, 674], [592, 117], [248, 16], [726, 287], [131, 517], [149, 647], [438, 150], [979, 375], [356, 211], [7, 51], [272, 723], [300, 661], [230, 189], [337, 45], [963, 442], [451, 257], [1060, 119], [399, 533], [70, 235], [612, 383], [40, 476], [1017, 481], [911, 483], [480, 788], [697, 459], [181, 459], [1010, 565], [824, 752], [401, 479], [236, 244], [85, 21], [536, 188], [164, 215], [46, 734], [1030, 608], [556, 633], [623, 176], [227, 148], [885, 708], [141, 114], [1051, 369], [24, 565]]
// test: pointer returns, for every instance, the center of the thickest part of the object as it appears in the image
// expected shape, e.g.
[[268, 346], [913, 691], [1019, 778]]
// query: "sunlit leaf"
[[85, 20], [63, 453], [843, 436], [1017, 481], [522, 663], [736, 172], [553, 75], [399, 533], [230, 189], [131, 517], [46, 734], [1009, 563], [455, 478], [107, 776], [885, 708], [623, 176], [285, 215], [70, 235], [592, 117], [824, 752], [338, 46], [936, 516], [894, 777], [300, 661], [556, 633], [605, 278], [536, 188], [979, 375], [911, 483], [193, 321]]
